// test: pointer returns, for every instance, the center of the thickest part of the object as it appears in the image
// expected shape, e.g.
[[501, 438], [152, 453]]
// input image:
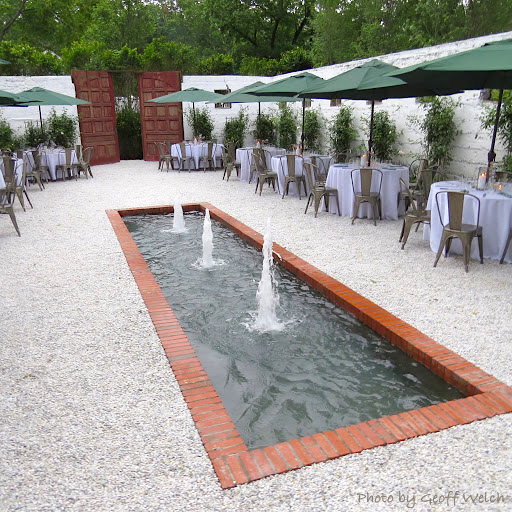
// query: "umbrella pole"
[[491, 156], [303, 118], [370, 140], [194, 119], [41, 120]]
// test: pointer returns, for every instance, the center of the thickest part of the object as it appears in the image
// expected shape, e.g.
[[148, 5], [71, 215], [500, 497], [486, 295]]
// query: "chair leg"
[[338, 204], [13, 219], [28, 198], [402, 232], [406, 229], [356, 209], [509, 239], [481, 248], [19, 195], [307, 204], [441, 247]]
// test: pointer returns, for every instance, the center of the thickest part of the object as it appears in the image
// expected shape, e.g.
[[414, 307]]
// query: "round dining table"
[[279, 165], [339, 177], [495, 218], [197, 150], [244, 156], [52, 158]]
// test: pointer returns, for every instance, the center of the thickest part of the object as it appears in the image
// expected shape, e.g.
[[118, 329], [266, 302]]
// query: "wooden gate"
[[97, 121], [160, 121]]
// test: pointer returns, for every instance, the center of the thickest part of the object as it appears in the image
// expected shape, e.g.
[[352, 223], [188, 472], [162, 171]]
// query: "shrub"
[[129, 132], [341, 131], [235, 128], [200, 120], [265, 128], [62, 129], [384, 136], [312, 130], [6, 135], [34, 136], [287, 127]]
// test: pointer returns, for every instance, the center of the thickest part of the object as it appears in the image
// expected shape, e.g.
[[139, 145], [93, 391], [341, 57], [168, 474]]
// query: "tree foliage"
[[263, 37]]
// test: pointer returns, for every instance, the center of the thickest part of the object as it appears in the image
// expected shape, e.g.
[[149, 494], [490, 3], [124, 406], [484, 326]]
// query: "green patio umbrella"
[[10, 99], [290, 86], [369, 81], [192, 95], [486, 67], [242, 96], [39, 96], [2, 61]]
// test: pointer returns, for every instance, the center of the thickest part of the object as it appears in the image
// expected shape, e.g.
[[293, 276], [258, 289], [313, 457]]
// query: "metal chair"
[[84, 165], [183, 158], [291, 176], [7, 198], [455, 228], [229, 164], [318, 190], [67, 167], [364, 193], [323, 166], [208, 158], [414, 215], [38, 171], [164, 156], [264, 175], [252, 167]]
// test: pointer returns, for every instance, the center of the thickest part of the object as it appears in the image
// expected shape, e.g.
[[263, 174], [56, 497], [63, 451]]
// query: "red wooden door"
[[160, 121], [97, 121]]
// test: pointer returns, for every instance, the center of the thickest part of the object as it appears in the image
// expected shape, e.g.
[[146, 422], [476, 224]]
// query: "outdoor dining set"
[[38, 166]]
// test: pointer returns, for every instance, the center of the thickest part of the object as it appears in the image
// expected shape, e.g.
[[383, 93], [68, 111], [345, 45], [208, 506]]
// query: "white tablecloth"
[[280, 166], [52, 158], [244, 156], [198, 150], [495, 219], [339, 178]]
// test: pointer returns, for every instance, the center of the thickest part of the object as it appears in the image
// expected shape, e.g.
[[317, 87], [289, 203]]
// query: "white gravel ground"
[[92, 418]]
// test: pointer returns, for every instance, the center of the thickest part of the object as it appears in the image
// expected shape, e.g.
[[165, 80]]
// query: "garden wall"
[[470, 147]]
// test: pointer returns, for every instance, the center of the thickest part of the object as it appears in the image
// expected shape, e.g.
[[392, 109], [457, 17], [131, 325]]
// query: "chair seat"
[[465, 228]]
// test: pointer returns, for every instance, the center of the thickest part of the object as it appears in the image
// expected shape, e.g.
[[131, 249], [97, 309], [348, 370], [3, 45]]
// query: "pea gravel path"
[[91, 417]]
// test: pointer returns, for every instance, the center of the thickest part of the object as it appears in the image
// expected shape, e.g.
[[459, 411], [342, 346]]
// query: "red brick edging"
[[234, 464]]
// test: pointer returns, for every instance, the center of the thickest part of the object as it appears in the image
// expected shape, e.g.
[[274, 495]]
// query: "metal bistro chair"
[[292, 176], [364, 194], [252, 166], [318, 190], [208, 158], [12, 173], [183, 158], [414, 215], [38, 170], [229, 164], [322, 166], [7, 198], [164, 156], [84, 164], [455, 228], [264, 174], [416, 186], [68, 169]]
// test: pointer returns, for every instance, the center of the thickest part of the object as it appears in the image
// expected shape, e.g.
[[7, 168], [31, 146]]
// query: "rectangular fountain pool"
[[302, 391], [323, 370]]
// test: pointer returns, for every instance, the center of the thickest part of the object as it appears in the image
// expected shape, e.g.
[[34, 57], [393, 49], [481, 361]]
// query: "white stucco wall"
[[19, 116], [469, 150]]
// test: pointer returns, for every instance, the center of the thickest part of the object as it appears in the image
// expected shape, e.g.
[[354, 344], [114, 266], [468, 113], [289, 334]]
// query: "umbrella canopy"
[[369, 81], [191, 95], [10, 99], [244, 95], [2, 61], [486, 67], [290, 86], [39, 96]]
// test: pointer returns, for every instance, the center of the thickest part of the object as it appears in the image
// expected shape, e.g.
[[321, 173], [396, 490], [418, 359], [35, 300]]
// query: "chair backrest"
[[290, 164], [19, 153], [425, 180], [8, 195], [504, 176], [36, 156], [365, 177], [210, 150], [9, 166], [232, 150], [323, 165], [78, 152], [87, 153], [407, 190], [415, 168], [309, 175], [455, 203], [161, 149], [183, 150], [69, 153]]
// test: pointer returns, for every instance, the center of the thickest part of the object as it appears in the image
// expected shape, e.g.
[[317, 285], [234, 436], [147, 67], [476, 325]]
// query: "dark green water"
[[325, 370]]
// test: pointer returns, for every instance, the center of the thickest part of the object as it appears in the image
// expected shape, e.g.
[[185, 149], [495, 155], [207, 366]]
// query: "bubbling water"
[[178, 225], [267, 296]]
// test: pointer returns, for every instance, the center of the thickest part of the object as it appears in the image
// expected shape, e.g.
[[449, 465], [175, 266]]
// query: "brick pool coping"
[[232, 461]]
